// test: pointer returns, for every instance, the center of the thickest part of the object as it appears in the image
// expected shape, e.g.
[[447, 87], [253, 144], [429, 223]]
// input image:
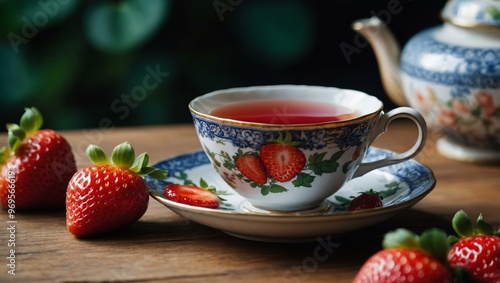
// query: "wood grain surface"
[[164, 247]]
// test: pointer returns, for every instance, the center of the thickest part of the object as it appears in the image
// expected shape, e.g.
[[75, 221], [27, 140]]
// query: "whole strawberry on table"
[[408, 257], [110, 194], [474, 255], [477, 248], [36, 166]]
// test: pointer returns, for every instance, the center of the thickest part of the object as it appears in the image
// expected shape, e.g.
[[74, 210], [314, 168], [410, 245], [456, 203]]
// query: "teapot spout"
[[387, 52]]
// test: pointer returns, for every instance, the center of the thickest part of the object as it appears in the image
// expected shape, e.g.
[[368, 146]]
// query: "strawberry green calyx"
[[212, 189], [464, 227], [31, 121], [4, 154], [97, 155], [433, 242], [401, 238], [123, 155], [287, 139]]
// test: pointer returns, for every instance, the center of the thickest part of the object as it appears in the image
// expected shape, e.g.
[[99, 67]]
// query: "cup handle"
[[383, 123]]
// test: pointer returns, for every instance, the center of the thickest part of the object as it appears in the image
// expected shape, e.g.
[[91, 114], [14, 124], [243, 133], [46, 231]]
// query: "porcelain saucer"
[[402, 186]]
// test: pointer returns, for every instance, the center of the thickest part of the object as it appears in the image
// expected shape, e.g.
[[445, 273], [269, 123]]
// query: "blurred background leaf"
[[121, 25]]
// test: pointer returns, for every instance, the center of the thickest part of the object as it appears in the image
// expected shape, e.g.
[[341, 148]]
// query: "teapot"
[[449, 73]]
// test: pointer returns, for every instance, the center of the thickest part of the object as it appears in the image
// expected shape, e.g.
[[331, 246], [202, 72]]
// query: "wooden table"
[[163, 246]]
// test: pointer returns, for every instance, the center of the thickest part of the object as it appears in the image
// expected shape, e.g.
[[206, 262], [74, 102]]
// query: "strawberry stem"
[[484, 227], [464, 227], [4, 154], [97, 155], [31, 121], [287, 139], [140, 162], [462, 224], [123, 156], [400, 238], [16, 136], [433, 242]]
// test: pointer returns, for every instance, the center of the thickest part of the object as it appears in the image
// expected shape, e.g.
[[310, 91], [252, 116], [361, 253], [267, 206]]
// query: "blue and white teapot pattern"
[[450, 74]]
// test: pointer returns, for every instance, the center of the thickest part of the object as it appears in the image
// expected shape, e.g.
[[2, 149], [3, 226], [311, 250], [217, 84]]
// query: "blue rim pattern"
[[242, 137], [479, 68]]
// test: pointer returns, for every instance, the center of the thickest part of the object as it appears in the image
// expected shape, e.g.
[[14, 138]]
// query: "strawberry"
[[366, 200], [251, 167], [477, 249], [35, 167], [407, 257], [282, 160], [192, 195], [110, 194]]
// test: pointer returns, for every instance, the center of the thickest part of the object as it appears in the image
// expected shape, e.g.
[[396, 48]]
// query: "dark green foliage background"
[[84, 55]]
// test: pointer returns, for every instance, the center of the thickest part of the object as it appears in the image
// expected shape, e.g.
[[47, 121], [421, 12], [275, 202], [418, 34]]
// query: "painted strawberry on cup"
[[282, 160], [278, 161], [110, 194], [250, 165], [36, 166]]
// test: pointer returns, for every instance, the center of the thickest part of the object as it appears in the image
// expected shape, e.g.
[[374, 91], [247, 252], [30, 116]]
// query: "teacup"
[[286, 166]]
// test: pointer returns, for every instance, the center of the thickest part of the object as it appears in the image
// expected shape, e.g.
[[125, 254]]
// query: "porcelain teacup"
[[292, 167]]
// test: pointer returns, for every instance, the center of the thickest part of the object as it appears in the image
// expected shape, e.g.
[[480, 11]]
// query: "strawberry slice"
[[192, 195]]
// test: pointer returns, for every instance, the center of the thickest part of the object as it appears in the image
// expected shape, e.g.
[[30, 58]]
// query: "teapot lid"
[[472, 13]]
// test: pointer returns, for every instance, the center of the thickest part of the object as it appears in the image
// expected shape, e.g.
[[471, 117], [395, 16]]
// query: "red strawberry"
[[408, 258], [35, 167], [281, 159], [192, 195], [251, 167], [366, 200], [477, 250], [111, 194]]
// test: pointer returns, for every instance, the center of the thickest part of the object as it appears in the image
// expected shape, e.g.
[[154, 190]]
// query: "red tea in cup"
[[286, 112]]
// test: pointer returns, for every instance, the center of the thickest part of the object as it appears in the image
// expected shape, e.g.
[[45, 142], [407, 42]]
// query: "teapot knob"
[[483, 14]]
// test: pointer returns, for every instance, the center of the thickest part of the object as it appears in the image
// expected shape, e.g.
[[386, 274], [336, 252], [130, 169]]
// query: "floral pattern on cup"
[[323, 151], [473, 120]]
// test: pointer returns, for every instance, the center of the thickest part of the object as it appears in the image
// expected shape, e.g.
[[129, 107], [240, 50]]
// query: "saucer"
[[402, 185]]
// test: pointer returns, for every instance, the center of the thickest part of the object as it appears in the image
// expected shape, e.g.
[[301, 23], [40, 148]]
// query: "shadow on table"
[[180, 228]]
